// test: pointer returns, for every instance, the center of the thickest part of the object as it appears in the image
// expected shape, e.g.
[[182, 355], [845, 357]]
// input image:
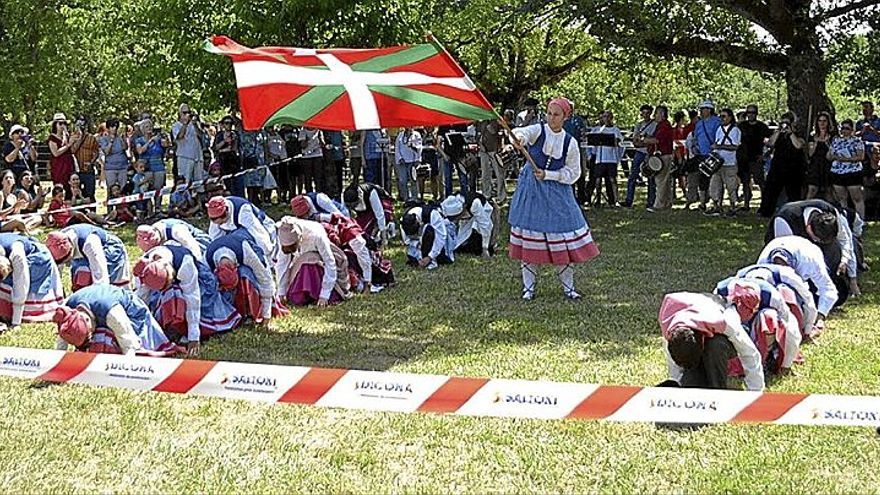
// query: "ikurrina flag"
[[347, 89]]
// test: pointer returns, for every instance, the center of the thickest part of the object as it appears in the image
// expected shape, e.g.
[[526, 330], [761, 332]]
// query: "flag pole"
[[513, 139]]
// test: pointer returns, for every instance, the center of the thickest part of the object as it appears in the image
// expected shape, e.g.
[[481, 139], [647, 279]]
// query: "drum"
[[652, 166], [423, 170], [507, 159], [711, 164]]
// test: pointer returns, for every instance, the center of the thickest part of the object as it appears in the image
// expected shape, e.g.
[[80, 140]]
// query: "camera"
[[785, 126]]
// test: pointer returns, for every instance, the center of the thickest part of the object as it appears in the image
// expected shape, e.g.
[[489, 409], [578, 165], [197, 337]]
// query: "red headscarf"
[[217, 207], [59, 245], [73, 325], [300, 206]]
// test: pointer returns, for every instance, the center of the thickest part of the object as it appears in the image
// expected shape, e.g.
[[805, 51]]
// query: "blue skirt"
[[117, 266], [544, 206], [45, 292]]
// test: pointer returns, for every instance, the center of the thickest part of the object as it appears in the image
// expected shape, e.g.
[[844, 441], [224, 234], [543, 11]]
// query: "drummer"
[[727, 140]]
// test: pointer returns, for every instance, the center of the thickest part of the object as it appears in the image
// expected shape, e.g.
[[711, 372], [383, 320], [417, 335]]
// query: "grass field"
[[468, 320]]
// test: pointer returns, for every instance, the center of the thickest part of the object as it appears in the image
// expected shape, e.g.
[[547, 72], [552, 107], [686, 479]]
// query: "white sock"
[[529, 277], [566, 277]]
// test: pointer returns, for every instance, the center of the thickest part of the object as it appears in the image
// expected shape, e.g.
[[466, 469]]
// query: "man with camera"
[[787, 168], [19, 153], [85, 148], [188, 145]]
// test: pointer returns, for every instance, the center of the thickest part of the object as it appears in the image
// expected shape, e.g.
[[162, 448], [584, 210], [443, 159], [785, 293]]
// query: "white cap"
[[16, 128], [59, 117], [452, 206], [707, 104]]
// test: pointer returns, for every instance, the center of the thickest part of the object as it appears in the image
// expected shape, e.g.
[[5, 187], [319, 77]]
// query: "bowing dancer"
[[373, 210], [372, 271], [317, 206], [764, 313], [95, 255], [31, 288], [546, 224], [793, 290], [429, 236], [806, 259], [231, 213], [177, 231], [475, 221], [244, 276], [183, 296], [311, 269], [108, 319]]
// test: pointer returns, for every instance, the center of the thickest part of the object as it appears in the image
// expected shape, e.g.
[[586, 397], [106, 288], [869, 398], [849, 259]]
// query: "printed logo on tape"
[[132, 372], [27, 363], [382, 391], [683, 405], [525, 399], [835, 410], [256, 382]]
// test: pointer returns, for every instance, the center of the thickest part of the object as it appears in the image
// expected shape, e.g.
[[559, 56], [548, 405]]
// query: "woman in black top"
[[818, 166], [787, 166]]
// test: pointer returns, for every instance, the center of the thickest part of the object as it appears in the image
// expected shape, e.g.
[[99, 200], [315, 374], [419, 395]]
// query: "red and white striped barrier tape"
[[410, 392]]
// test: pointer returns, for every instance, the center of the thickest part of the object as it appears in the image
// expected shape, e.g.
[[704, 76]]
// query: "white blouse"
[[553, 144]]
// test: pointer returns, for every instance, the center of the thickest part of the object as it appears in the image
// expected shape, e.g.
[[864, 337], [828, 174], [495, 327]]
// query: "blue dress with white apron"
[[167, 227], [235, 241], [216, 315], [100, 299], [114, 252], [45, 292], [545, 206], [268, 223]]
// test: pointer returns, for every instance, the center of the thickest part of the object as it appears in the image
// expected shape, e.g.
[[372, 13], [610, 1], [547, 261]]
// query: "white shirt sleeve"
[[814, 269], [188, 276], [214, 231], [745, 349], [265, 282], [482, 217], [182, 235], [21, 281], [781, 227], [142, 291], [398, 148], [378, 210], [808, 307], [571, 171], [847, 250], [365, 261], [792, 340], [119, 323], [322, 244], [249, 220], [439, 225], [326, 204], [93, 250]]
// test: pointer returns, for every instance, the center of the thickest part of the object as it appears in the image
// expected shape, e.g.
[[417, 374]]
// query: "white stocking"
[[529, 277], [566, 277]]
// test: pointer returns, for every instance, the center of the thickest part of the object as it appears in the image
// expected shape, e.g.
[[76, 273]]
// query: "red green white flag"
[[349, 89]]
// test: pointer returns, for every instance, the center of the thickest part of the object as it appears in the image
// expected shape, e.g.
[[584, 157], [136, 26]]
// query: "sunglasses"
[[845, 128]]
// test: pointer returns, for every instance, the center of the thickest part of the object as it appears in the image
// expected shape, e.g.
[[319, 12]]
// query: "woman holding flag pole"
[[546, 224]]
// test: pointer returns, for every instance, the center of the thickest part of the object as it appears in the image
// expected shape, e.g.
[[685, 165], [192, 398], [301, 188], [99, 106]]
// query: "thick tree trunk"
[[805, 78]]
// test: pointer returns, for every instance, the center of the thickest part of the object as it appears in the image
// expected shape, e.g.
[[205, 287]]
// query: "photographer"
[[86, 150], [188, 144], [116, 160], [61, 162], [151, 149], [19, 153], [787, 168]]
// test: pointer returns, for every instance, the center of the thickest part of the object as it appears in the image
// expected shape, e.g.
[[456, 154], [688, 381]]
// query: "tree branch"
[[740, 56], [754, 11], [844, 9]]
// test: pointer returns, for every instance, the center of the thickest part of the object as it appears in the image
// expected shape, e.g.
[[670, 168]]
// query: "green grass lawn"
[[468, 320]]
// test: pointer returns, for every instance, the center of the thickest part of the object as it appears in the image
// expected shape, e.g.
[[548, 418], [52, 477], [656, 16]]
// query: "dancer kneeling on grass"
[[231, 213], [316, 206], [176, 231], [244, 276], [369, 270], [109, 319], [703, 333], [793, 290], [429, 236], [806, 259], [546, 224], [476, 223], [310, 268], [31, 289], [373, 210], [95, 255], [182, 293]]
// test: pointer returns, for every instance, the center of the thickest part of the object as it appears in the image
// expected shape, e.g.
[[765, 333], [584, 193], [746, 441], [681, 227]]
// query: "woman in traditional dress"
[[310, 268], [370, 271], [95, 255], [108, 319], [373, 210], [230, 213], [177, 231], [316, 206], [546, 224], [31, 289]]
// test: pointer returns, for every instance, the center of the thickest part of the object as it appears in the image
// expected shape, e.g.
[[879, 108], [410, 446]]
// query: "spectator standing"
[[430, 164], [19, 153], [334, 151], [847, 156], [116, 160], [253, 157], [607, 159], [643, 129], [151, 146], [750, 156], [355, 156], [680, 132], [489, 145], [727, 140], [407, 155], [87, 151], [818, 165], [868, 129], [703, 134], [187, 145], [576, 127], [226, 148], [312, 161], [662, 143], [375, 168], [787, 167], [61, 162], [452, 153], [276, 150]]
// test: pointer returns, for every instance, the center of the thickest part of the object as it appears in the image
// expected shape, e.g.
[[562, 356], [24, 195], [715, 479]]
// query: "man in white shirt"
[[607, 159], [188, 146], [428, 236], [727, 140]]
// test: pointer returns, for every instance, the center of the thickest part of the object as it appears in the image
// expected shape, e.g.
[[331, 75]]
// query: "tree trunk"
[[805, 79]]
